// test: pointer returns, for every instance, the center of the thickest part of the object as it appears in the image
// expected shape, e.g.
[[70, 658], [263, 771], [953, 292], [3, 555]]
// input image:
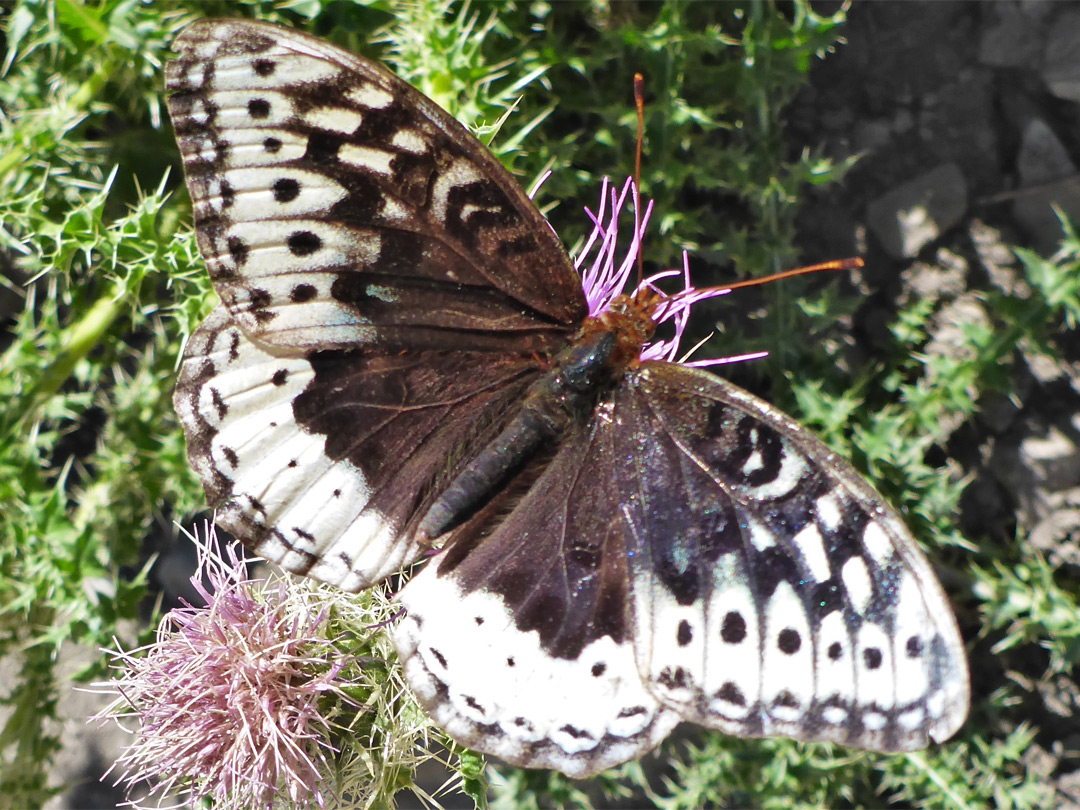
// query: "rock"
[[914, 214], [1042, 157], [1014, 37], [1061, 69], [1047, 178]]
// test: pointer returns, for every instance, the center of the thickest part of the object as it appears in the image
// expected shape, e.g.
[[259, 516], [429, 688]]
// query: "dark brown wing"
[[337, 207]]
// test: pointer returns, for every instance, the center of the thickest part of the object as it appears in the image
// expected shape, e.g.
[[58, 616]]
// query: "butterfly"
[[403, 359]]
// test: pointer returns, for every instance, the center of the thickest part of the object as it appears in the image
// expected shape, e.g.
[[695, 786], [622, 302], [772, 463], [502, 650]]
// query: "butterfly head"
[[633, 317]]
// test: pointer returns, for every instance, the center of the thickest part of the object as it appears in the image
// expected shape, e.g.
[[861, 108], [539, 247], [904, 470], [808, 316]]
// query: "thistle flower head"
[[605, 276], [239, 702]]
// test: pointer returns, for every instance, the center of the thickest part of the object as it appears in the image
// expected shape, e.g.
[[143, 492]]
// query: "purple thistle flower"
[[605, 278], [228, 697]]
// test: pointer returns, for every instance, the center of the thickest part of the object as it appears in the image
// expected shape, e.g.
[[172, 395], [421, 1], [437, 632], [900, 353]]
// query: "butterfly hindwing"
[[775, 594], [518, 638], [337, 207]]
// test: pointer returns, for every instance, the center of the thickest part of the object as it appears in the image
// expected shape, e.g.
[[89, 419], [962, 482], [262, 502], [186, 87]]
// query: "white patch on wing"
[[257, 109], [268, 253], [835, 669], [249, 148], [856, 580], [370, 96], [393, 211], [829, 510], [791, 472], [877, 543], [409, 140], [460, 173], [495, 687], [678, 648], [368, 158], [334, 119], [255, 194], [875, 684], [289, 67], [913, 631], [733, 666], [812, 547], [753, 463], [761, 536], [787, 672]]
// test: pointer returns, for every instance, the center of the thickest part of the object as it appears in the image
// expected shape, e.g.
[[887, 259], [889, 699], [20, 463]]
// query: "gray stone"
[[1061, 68], [1047, 178], [916, 213], [1042, 158], [1013, 38]]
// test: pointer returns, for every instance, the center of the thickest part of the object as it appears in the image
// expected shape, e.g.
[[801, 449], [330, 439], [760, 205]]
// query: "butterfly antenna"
[[853, 263], [639, 103]]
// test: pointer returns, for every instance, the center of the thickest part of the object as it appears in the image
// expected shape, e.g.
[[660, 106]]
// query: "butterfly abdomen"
[[563, 395]]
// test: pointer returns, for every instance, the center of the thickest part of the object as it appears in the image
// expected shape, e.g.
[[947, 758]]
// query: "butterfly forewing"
[[774, 592], [336, 207]]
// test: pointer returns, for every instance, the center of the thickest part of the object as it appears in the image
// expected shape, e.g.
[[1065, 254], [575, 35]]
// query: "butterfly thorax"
[[629, 318]]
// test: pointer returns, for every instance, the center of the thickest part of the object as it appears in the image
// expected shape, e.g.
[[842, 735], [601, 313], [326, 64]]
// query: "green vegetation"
[[102, 285]]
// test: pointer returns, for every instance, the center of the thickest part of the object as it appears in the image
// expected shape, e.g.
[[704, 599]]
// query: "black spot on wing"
[[259, 298], [789, 514], [827, 596], [733, 628], [225, 189], [872, 657], [258, 108], [285, 189], [302, 292], [845, 541], [685, 634], [238, 250], [576, 733], [787, 700], [789, 641], [303, 243], [730, 693], [673, 678], [220, 406]]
